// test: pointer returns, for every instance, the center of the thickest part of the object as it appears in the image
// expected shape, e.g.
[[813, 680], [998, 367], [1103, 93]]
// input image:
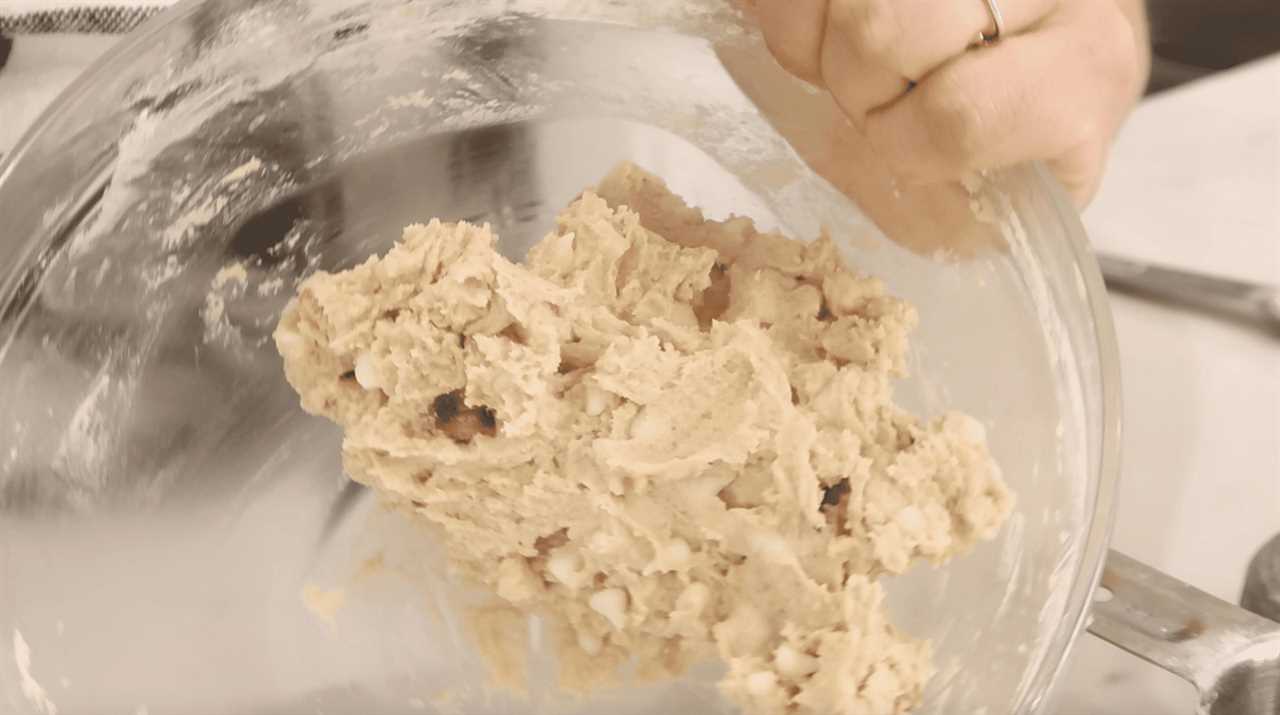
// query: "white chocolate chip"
[[762, 683], [596, 400], [693, 598], [671, 556], [566, 567], [677, 553], [772, 547], [589, 643], [793, 663], [612, 604], [911, 519], [646, 426], [366, 374], [289, 342]]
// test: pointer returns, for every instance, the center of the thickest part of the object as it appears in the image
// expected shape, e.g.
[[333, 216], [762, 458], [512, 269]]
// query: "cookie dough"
[[674, 438]]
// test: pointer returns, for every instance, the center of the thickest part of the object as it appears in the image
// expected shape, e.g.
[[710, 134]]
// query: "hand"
[[934, 108]]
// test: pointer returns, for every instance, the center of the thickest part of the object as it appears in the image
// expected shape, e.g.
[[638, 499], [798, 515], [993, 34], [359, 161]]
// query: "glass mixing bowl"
[[176, 536]]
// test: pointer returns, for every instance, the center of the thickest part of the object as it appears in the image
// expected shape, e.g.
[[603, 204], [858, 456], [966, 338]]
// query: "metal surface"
[[1230, 655], [1240, 300], [1262, 583]]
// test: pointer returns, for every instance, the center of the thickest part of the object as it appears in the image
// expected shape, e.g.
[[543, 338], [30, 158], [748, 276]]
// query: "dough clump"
[[674, 438]]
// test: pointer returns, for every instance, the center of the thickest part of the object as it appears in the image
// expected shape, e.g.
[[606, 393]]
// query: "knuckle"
[[871, 28], [1112, 47], [792, 58], [1080, 171], [1085, 133], [1076, 140], [787, 39], [1074, 128], [956, 123]]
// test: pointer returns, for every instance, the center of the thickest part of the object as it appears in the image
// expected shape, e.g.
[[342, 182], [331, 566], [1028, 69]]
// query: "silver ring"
[[997, 19]]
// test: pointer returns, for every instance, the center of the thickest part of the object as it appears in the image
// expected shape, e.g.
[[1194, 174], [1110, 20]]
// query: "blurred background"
[[1194, 183], [1194, 38]]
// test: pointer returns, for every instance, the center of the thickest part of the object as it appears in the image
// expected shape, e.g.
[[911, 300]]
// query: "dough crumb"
[[240, 173], [671, 438], [323, 604], [228, 283], [32, 690], [233, 273], [447, 702], [501, 634]]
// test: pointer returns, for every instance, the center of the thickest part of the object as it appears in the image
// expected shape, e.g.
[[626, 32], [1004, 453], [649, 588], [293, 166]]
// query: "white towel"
[[109, 16]]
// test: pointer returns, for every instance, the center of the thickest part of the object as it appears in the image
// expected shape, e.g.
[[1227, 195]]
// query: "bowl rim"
[[1101, 518], [71, 94]]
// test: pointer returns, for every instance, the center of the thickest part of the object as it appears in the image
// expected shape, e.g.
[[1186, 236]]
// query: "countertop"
[[1194, 181]]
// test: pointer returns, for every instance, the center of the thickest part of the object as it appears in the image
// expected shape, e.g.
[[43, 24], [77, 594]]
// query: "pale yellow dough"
[[674, 438]]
